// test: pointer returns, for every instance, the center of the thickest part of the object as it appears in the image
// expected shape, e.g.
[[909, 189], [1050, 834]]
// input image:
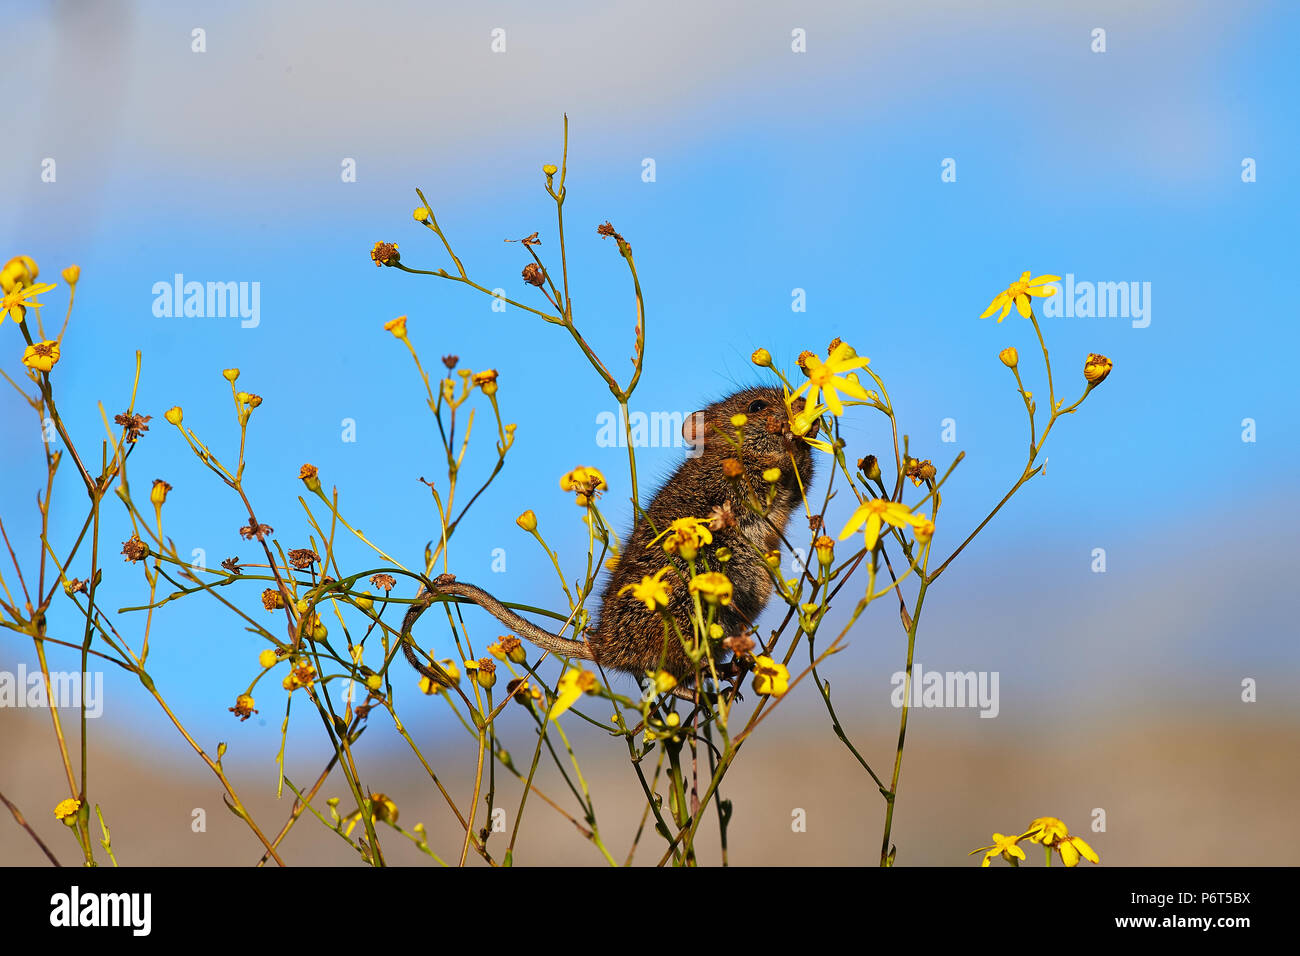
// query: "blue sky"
[[774, 171]]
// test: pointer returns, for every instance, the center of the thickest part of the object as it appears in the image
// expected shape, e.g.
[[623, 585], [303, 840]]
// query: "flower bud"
[[421, 213], [825, 550], [486, 672], [174, 415], [514, 650], [527, 521], [230, 374], [267, 658], [762, 358], [1096, 368], [310, 477], [158, 494], [550, 169], [72, 274], [67, 811], [1009, 356], [18, 272]]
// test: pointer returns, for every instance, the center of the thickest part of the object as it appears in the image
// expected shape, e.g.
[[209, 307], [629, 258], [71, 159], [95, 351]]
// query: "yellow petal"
[[1087, 852], [850, 387], [855, 522], [1022, 305], [564, 702], [1069, 855], [1006, 308], [873, 531], [993, 306], [833, 403], [1041, 279]]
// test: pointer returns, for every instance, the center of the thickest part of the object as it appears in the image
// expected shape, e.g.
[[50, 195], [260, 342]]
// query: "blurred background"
[[773, 171]]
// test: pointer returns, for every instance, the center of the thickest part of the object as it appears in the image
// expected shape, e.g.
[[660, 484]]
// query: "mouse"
[[628, 637]]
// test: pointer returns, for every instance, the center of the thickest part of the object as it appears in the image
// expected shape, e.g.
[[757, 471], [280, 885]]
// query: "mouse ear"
[[693, 432]]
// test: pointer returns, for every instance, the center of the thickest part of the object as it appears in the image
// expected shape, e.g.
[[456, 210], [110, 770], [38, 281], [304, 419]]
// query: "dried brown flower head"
[[739, 644], [135, 425], [920, 471], [303, 558], [450, 361], [721, 517], [732, 468], [243, 708], [135, 549], [526, 693], [272, 599], [232, 565], [534, 274], [384, 581], [258, 531]]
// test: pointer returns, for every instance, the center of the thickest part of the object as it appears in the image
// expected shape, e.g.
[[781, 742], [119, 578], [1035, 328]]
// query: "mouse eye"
[[757, 405]]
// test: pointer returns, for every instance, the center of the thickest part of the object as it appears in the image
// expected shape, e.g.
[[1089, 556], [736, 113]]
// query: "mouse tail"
[[447, 584]]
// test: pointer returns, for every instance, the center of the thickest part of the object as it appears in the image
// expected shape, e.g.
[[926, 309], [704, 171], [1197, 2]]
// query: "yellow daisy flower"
[[770, 677], [1018, 294], [67, 810], [587, 482], [1004, 845], [1047, 831], [686, 536], [653, 591], [878, 512], [826, 379], [713, 586], [41, 356], [17, 302]]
